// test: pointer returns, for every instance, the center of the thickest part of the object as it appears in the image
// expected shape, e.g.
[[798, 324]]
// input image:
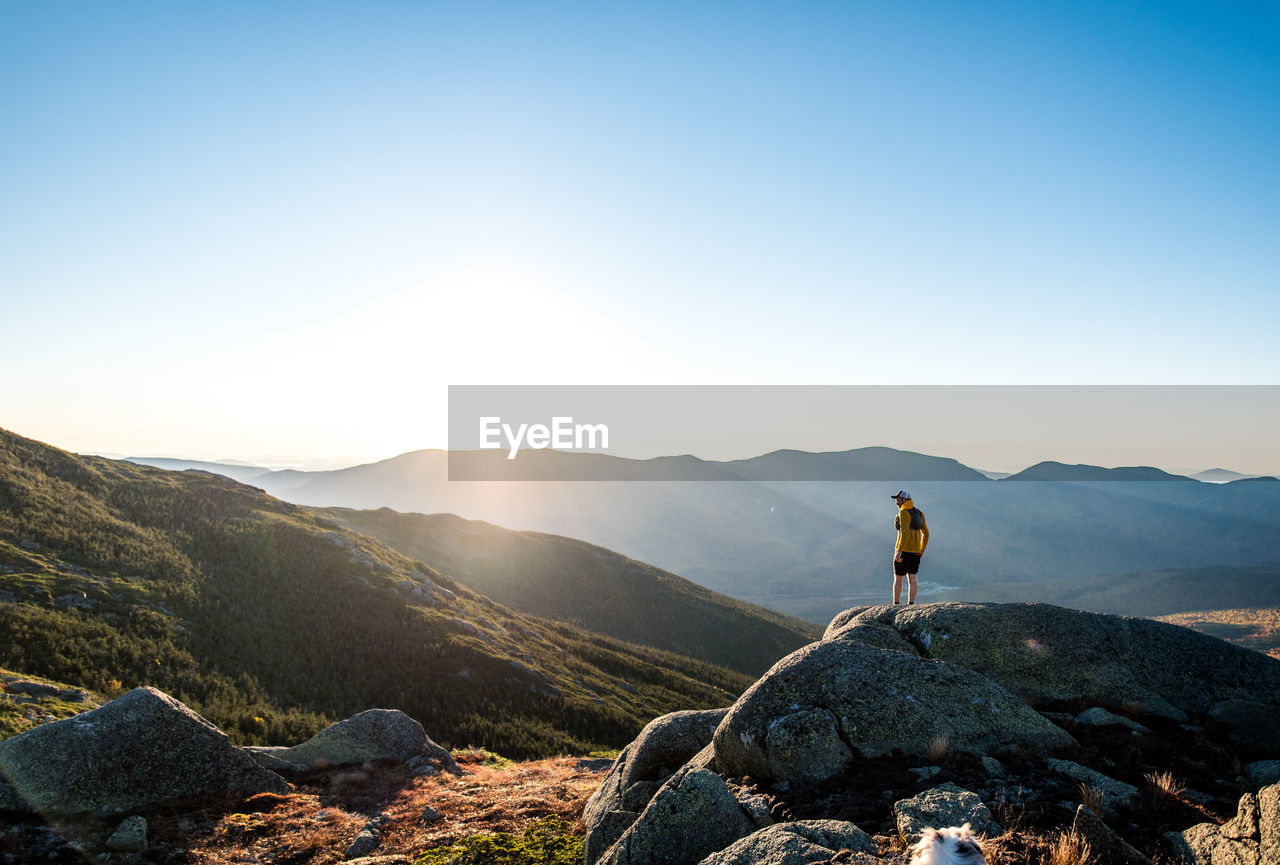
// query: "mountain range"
[[811, 534]]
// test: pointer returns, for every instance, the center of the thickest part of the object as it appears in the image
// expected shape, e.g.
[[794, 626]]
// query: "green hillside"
[[272, 620], [574, 581]]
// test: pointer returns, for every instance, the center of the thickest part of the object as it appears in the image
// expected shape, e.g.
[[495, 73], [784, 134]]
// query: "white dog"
[[955, 846]]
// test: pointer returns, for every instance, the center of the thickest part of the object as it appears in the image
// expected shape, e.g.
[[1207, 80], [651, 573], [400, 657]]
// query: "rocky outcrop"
[[141, 749], [808, 716], [692, 816], [796, 843], [663, 746], [942, 807], [376, 734], [1252, 837], [931, 681], [1045, 652]]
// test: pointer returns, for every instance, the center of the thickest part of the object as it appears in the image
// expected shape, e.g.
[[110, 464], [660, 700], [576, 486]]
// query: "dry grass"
[[1067, 849], [1164, 785], [938, 750], [316, 823], [1092, 797]]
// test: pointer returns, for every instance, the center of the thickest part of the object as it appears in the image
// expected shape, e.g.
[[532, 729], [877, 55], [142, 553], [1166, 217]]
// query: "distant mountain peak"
[[1056, 471]]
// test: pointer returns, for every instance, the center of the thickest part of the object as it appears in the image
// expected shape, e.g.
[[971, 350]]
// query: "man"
[[913, 537]]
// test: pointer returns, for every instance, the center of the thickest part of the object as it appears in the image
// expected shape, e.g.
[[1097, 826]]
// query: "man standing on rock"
[[913, 537]]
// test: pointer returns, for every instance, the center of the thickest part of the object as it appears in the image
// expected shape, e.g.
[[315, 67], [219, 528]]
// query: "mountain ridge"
[[271, 618], [567, 579]]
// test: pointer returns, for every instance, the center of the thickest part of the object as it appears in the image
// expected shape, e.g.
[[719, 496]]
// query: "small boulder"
[[943, 806], [796, 843], [1105, 846], [691, 817], [369, 838], [1113, 792], [758, 807], [138, 750], [422, 766], [32, 689], [994, 767], [375, 734], [1099, 717], [129, 837]]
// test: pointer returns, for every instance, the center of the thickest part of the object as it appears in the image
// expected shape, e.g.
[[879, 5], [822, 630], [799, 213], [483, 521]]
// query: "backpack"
[[917, 520]]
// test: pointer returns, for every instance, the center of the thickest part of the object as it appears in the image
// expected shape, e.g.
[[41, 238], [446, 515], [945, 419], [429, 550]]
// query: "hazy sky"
[[239, 228]]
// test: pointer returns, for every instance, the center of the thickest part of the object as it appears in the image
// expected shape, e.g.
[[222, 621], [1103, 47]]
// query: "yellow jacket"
[[910, 540]]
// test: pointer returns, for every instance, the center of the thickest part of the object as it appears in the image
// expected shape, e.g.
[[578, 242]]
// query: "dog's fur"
[[955, 846]]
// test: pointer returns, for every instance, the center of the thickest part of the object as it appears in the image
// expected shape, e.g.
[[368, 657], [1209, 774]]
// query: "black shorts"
[[910, 564]]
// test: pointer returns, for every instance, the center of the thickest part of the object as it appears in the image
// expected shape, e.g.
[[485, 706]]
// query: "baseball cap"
[[901, 494]]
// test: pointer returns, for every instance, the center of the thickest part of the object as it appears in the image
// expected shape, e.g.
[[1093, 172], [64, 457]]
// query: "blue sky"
[[239, 229]]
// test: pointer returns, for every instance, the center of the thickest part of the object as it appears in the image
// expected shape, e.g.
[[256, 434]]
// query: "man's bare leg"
[[897, 588], [911, 592]]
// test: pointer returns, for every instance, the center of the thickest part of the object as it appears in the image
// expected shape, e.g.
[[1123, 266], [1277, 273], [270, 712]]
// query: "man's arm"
[[924, 540]]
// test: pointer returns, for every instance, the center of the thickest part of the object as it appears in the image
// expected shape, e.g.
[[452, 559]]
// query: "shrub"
[[480, 757], [546, 842]]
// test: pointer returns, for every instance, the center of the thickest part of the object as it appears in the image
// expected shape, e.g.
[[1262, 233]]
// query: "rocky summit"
[[903, 719]]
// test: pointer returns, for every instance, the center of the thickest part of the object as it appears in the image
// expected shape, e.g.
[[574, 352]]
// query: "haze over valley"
[[812, 548]]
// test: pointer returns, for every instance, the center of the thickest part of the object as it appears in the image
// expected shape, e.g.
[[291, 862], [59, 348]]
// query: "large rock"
[[942, 807], [663, 746], [138, 750], [691, 817], [376, 734], [1252, 837], [1046, 652], [1251, 725], [806, 717], [795, 844]]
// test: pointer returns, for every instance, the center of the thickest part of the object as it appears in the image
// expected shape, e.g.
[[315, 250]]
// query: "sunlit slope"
[[270, 618], [570, 580]]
